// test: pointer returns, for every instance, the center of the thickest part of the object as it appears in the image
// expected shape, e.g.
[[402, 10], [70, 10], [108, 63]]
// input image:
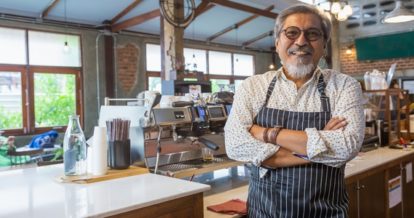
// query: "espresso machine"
[[169, 140]]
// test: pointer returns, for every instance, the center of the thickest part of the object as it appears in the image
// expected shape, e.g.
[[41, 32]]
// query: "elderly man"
[[298, 126]]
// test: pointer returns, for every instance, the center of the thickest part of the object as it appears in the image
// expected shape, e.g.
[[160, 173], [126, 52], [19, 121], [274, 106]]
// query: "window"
[[243, 65], [195, 60], [219, 63], [11, 107], [34, 96], [153, 57], [13, 41], [54, 98], [218, 85], [53, 44], [225, 70], [154, 84]]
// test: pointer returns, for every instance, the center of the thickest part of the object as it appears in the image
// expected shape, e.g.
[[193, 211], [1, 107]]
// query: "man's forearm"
[[283, 158], [293, 140]]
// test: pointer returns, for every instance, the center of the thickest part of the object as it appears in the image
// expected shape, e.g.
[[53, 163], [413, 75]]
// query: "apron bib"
[[311, 190]]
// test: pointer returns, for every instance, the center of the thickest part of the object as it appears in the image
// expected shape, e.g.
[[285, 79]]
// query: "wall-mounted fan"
[[184, 11]]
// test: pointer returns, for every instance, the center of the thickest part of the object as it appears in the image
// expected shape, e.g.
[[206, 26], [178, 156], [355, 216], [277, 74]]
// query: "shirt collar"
[[314, 77]]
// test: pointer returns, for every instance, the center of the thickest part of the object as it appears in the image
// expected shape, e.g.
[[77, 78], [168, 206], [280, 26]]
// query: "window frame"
[[27, 76], [56, 71], [209, 76]]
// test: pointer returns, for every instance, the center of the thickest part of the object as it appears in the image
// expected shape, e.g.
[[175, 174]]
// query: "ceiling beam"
[[245, 8], [135, 20], [202, 7], [257, 38], [237, 25], [125, 11], [51, 5]]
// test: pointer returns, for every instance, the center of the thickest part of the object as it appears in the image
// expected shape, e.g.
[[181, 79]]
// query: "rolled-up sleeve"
[[336, 147], [240, 144]]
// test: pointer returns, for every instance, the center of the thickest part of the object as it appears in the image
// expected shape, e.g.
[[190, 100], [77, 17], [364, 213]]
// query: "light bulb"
[[271, 66], [348, 51], [66, 47], [348, 10], [335, 8], [341, 16]]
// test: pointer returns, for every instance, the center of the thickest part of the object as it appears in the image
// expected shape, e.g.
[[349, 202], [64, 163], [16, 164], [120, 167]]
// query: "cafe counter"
[[34, 192]]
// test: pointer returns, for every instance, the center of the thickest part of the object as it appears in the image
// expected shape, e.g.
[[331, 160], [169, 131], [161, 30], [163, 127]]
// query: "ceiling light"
[[341, 9], [335, 8], [348, 10], [399, 14]]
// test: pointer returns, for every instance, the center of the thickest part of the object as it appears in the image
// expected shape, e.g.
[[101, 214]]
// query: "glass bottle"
[[74, 148]]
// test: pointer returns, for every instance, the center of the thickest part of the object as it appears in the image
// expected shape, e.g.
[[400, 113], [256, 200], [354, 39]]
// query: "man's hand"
[[335, 123], [283, 158]]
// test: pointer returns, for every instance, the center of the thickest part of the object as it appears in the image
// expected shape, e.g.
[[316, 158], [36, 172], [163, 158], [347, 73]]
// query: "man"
[[298, 126]]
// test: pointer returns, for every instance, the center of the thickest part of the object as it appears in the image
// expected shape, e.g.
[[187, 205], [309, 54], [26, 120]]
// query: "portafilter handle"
[[208, 143]]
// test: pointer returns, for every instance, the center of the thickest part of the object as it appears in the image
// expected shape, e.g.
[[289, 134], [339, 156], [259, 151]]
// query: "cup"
[[207, 154], [119, 154]]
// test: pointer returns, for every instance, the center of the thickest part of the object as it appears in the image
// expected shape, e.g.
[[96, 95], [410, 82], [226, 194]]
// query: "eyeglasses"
[[311, 34]]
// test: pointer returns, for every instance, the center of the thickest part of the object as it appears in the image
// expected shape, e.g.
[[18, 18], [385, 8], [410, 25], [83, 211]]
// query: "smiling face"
[[300, 56]]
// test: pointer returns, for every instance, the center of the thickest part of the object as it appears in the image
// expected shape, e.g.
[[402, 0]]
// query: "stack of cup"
[[99, 151]]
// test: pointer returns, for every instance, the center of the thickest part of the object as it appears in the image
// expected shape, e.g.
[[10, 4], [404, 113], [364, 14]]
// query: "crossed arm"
[[291, 141]]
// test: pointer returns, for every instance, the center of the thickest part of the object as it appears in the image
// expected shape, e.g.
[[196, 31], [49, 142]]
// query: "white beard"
[[299, 70]]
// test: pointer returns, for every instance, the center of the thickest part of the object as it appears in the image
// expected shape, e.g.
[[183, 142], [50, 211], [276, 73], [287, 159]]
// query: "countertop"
[[361, 163], [34, 192]]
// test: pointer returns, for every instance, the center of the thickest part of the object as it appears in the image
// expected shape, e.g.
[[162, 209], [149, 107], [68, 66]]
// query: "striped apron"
[[311, 190]]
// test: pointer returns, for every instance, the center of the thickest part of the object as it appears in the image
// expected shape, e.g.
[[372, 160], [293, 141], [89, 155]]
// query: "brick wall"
[[127, 64], [350, 65]]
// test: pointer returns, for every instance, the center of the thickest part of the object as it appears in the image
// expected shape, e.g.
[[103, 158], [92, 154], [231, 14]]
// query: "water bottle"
[[74, 148]]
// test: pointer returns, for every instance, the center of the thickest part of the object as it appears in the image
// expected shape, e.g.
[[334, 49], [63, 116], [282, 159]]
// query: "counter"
[[364, 163], [34, 192]]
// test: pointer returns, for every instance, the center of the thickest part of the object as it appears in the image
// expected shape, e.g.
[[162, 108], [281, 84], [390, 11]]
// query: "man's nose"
[[301, 40]]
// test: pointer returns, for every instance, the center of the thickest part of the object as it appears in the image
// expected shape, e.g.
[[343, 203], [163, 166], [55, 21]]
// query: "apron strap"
[[325, 105]]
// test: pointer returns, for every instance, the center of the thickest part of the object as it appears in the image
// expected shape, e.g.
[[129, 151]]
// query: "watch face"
[[178, 13]]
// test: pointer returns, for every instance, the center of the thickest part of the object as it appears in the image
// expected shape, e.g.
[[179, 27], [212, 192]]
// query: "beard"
[[303, 66], [299, 70]]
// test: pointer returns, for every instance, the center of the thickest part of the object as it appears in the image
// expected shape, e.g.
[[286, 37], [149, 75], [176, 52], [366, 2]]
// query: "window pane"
[[237, 82], [219, 63], [153, 57], [243, 65], [47, 49], [55, 98], [11, 100], [154, 84], [218, 85], [195, 60], [12, 46]]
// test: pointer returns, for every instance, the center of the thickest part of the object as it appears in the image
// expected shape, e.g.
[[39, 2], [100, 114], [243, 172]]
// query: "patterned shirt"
[[333, 148]]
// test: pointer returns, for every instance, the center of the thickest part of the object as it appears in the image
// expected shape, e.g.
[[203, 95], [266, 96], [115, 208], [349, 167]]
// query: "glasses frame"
[[304, 31]]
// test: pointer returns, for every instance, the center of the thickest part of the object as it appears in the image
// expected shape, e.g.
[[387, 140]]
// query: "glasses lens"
[[313, 34], [292, 32]]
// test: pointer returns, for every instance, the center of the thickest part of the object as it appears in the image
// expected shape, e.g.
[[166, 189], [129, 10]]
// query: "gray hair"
[[303, 9]]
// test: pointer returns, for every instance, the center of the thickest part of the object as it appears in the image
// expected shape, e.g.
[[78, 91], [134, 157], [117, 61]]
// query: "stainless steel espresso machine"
[[170, 140]]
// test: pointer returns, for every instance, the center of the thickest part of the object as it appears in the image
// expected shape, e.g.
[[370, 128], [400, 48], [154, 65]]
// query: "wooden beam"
[[245, 8], [202, 7], [237, 25], [257, 38], [49, 8], [125, 11], [135, 20]]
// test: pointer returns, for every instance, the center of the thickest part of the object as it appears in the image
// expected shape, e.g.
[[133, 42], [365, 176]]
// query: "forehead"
[[303, 21]]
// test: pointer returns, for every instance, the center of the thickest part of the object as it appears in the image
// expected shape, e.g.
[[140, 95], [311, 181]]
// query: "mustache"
[[305, 49]]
